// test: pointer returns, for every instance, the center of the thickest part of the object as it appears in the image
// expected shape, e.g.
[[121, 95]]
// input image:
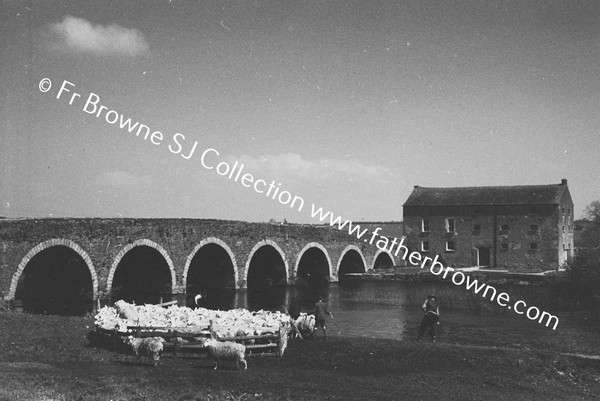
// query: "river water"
[[391, 310]]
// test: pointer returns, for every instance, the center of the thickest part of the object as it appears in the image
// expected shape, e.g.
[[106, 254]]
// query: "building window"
[[533, 246], [533, 229], [425, 225], [476, 227], [504, 227], [563, 229], [450, 246], [424, 246], [450, 226], [504, 246]]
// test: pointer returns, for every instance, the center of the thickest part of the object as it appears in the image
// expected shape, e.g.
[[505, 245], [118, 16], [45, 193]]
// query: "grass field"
[[47, 358]]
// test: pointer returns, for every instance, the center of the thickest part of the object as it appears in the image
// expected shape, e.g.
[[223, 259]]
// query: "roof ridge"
[[492, 186], [488, 195]]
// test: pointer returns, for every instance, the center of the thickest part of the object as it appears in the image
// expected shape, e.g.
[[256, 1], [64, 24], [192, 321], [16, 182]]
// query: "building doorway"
[[483, 257]]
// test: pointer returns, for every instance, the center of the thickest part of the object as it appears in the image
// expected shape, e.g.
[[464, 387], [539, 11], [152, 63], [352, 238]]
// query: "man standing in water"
[[431, 308], [321, 313]]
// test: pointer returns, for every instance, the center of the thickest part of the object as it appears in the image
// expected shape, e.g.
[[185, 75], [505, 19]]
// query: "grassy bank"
[[47, 358]]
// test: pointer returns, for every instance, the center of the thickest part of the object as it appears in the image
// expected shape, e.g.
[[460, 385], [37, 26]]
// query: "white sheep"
[[226, 351], [126, 310], [149, 346], [306, 325]]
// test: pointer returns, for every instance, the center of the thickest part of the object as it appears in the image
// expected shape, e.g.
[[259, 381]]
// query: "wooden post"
[[212, 332], [283, 339]]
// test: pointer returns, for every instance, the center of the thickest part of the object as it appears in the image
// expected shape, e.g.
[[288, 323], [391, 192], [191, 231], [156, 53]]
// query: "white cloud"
[[294, 166], [79, 35]]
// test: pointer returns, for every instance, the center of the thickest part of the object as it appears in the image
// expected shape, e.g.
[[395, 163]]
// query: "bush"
[[583, 275]]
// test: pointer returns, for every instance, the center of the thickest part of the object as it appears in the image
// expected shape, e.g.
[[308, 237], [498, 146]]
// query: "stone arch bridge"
[[69, 265]]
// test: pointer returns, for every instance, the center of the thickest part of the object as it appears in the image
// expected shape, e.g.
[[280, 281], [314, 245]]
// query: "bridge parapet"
[[240, 248]]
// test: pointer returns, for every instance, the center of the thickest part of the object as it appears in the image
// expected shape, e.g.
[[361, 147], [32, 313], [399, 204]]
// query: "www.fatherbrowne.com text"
[[209, 159], [397, 248]]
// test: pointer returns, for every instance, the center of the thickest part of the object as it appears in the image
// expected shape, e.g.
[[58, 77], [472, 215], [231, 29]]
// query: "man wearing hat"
[[431, 308]]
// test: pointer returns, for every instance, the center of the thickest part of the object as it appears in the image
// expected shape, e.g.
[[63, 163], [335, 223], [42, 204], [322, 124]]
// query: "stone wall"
[[103, 242], [530, 234]]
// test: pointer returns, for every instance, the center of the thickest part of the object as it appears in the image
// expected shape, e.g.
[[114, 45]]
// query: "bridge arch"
[[266, 276], [382, 260], [140, 242], [311, 248], [45, 245], [206, 241], [257, 246], [211, 271], [351, 261], [313, 272]]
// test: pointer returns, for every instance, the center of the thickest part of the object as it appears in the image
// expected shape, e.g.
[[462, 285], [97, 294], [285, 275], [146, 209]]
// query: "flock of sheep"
[[124, 314]]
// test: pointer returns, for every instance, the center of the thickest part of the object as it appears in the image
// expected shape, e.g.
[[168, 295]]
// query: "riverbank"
[[490, 276], [46, 357]]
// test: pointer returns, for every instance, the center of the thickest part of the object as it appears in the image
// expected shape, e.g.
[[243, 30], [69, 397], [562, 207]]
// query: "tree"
[[590, 236], [583, 271], [583, 277], [592, 213]]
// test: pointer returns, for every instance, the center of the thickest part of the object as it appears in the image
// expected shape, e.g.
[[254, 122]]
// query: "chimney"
[[563, 181], [416, 187]]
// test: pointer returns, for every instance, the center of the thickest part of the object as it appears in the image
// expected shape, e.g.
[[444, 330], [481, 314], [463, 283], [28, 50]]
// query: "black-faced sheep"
[[226, 351], [150, 346]]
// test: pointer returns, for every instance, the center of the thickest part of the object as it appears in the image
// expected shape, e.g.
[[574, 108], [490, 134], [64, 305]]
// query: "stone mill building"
[[517, 228]]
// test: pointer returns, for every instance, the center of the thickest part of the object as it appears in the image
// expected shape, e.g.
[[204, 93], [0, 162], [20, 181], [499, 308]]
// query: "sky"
[[346, 105]]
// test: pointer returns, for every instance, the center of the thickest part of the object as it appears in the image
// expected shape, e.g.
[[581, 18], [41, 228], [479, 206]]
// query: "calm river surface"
[[380, 309]]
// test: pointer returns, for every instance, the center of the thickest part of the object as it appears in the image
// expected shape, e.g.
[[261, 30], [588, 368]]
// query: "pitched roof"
[[501, 195]]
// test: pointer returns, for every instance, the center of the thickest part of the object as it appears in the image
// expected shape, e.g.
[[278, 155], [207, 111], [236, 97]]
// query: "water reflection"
[[392, 310], [267, 297], [212, 298]]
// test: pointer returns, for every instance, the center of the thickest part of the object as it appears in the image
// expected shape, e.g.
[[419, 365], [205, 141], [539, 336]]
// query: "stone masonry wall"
[[102, 241], [482, 227]]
